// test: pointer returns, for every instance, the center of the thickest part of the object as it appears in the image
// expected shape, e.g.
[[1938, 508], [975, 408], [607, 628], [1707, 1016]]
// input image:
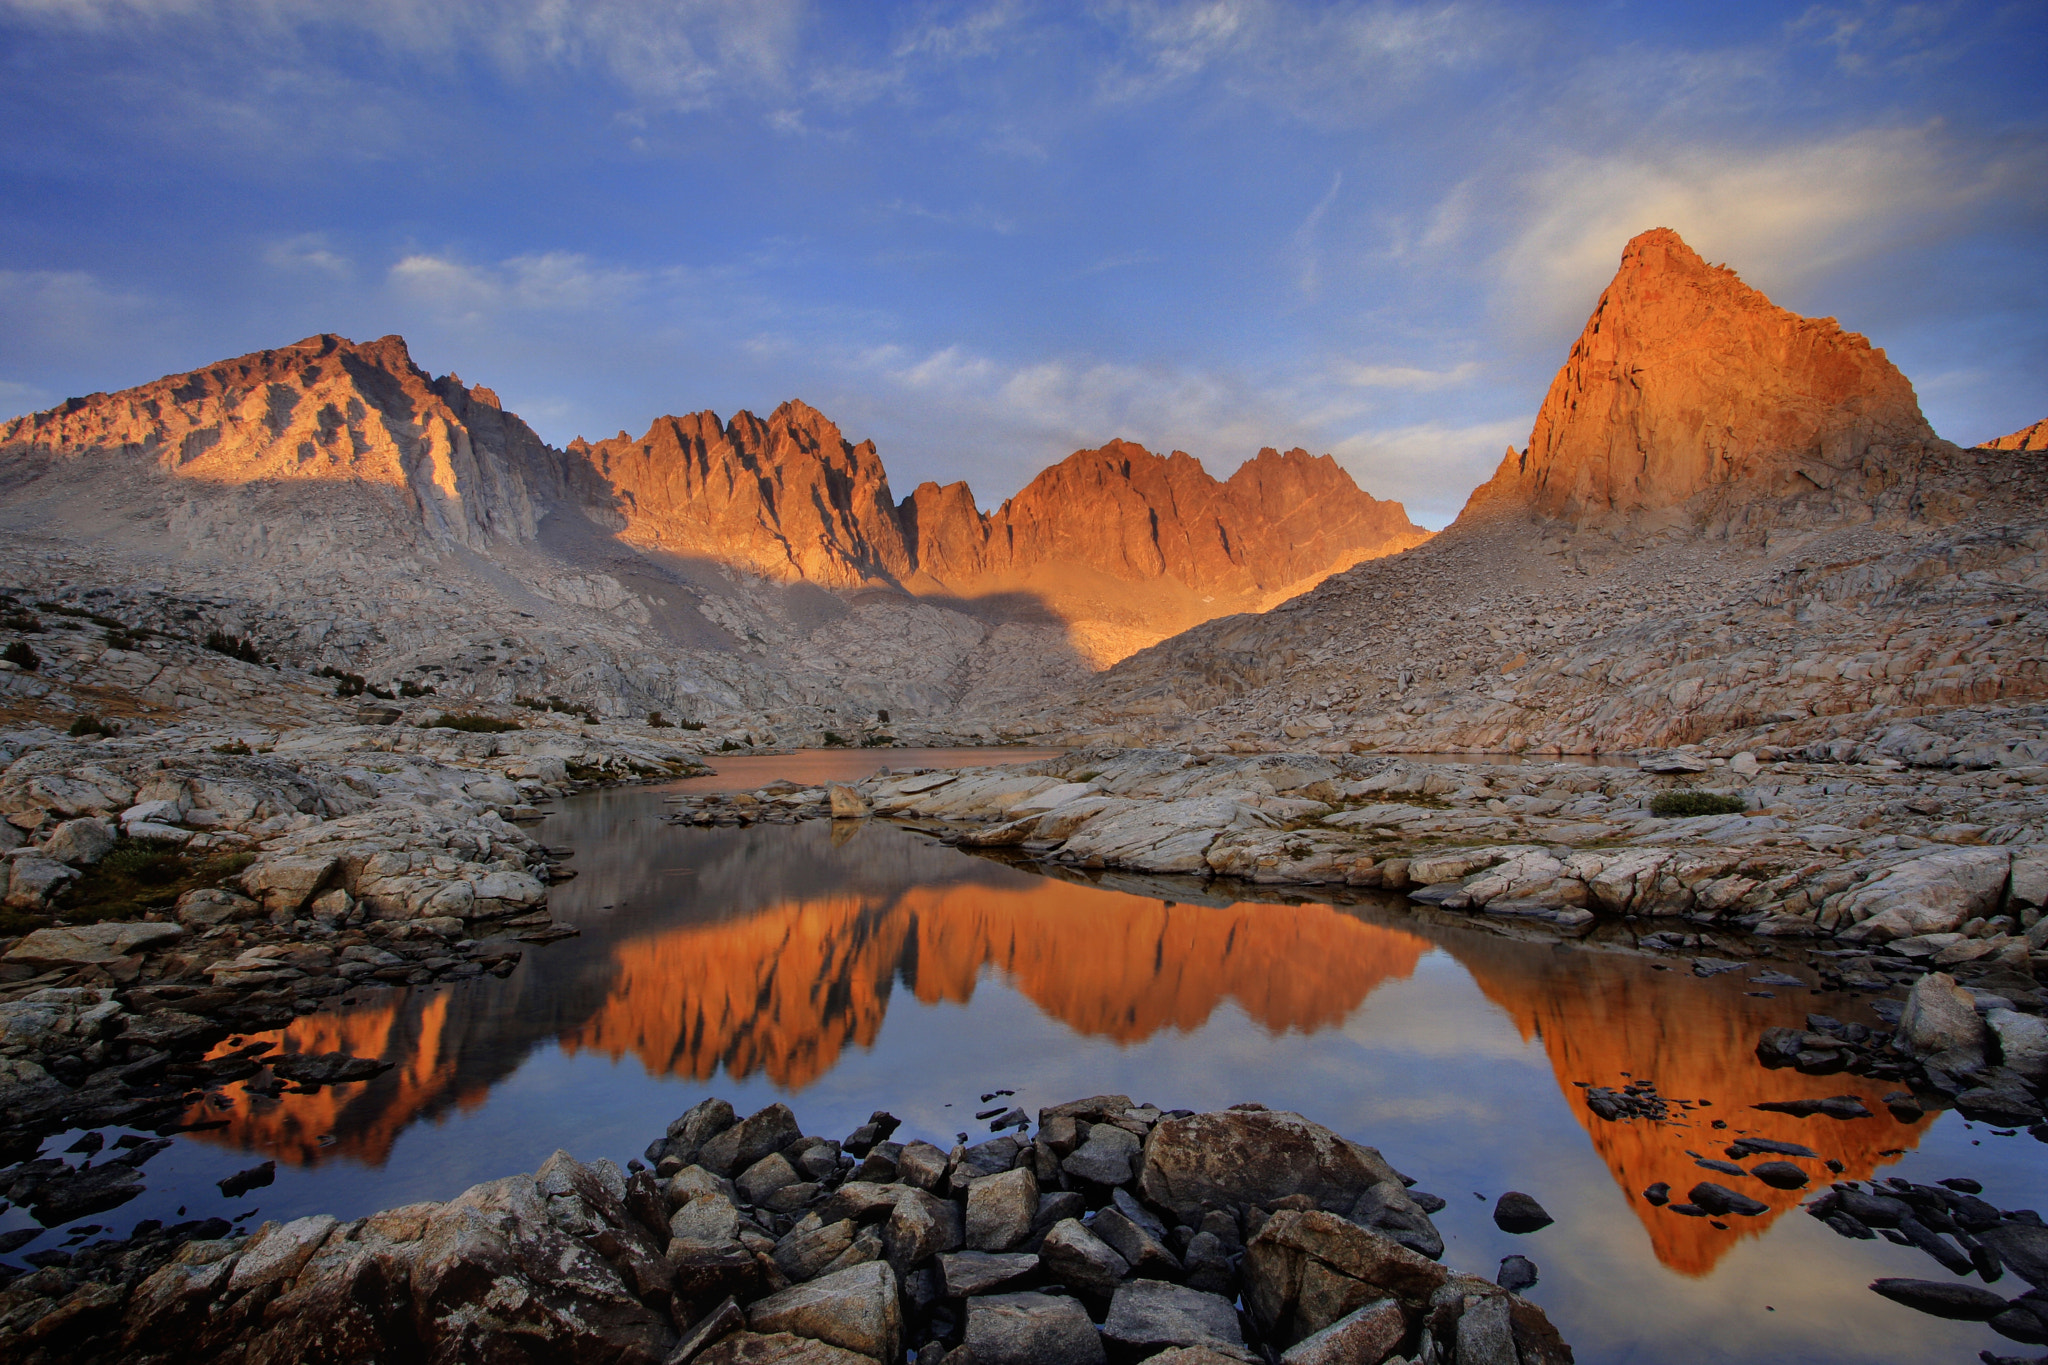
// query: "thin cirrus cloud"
[[1780, 214], [681, 53], [1407, 377], [554, 281]]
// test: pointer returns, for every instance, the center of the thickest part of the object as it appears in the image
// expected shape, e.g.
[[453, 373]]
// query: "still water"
[[844, 968]]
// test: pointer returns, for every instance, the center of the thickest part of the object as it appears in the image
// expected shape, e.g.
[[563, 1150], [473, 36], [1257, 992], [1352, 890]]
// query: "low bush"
[[655, 722], [345, 684], [140, 875], [88, 725], [476, 725], [566, 708], [234, 646], [1684, 803], [22, 655]]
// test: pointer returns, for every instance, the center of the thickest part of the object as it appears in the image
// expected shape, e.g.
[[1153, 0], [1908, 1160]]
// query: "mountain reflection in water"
[[769, 950]]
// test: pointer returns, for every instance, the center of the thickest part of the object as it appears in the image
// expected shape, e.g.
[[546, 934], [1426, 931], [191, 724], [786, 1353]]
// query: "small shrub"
[[881, 717], [234, 646], [233, 746], [834, 740], [140, 875], [413, 689], [88, 725], [476, 725], [21, 621], [726, 746], [655, 722], [877, 741], [1684, 803], [345, 684], [689, 725], [556, 704], [22, 655]]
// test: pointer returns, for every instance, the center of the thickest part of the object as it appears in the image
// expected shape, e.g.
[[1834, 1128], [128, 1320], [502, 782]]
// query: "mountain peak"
[[1689, 388]]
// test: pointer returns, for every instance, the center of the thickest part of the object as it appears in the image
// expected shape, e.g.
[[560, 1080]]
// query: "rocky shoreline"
[[1796, 846], [1109, 1230], [160, 892]]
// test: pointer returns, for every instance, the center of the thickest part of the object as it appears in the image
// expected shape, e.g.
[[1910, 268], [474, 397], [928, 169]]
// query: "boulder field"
[[1118, 1232]]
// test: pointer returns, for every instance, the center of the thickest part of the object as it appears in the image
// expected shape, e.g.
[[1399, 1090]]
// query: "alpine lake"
[[849, 966]]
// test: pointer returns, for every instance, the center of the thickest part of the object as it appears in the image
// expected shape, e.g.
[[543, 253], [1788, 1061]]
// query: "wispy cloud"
[[1780, 213], [65, 308], [1408, 378], [1306, 246], [17, 399], [1429, 466], [555, 281], [677, 53], [973, 216], [308, 252], [983, 31], [1327, 63]]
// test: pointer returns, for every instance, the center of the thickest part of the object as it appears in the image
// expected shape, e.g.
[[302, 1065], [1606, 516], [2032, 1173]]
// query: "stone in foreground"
[[855, 1308], [1943, 1298], [1150, 1315], [1031, 1329]]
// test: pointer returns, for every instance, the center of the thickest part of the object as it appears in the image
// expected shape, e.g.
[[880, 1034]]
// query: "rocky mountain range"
[[1732, 525], [340, 508]]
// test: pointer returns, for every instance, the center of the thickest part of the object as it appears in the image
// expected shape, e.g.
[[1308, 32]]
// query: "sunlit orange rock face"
[[324, 409], [783, 991], [1136, 516], [2034, 437], [1606, 1020], [1687, 382], [1145, 544], [789, 497]]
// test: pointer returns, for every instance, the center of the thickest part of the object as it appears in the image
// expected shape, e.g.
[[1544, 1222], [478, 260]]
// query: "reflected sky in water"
[[860, 966]]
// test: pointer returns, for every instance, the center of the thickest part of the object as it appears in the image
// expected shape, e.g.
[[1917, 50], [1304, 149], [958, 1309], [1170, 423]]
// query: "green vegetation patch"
[[140, 875], [1684, 803], [476, 725]]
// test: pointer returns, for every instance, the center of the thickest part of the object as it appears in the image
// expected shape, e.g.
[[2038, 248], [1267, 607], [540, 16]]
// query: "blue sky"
[[987, 234]]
